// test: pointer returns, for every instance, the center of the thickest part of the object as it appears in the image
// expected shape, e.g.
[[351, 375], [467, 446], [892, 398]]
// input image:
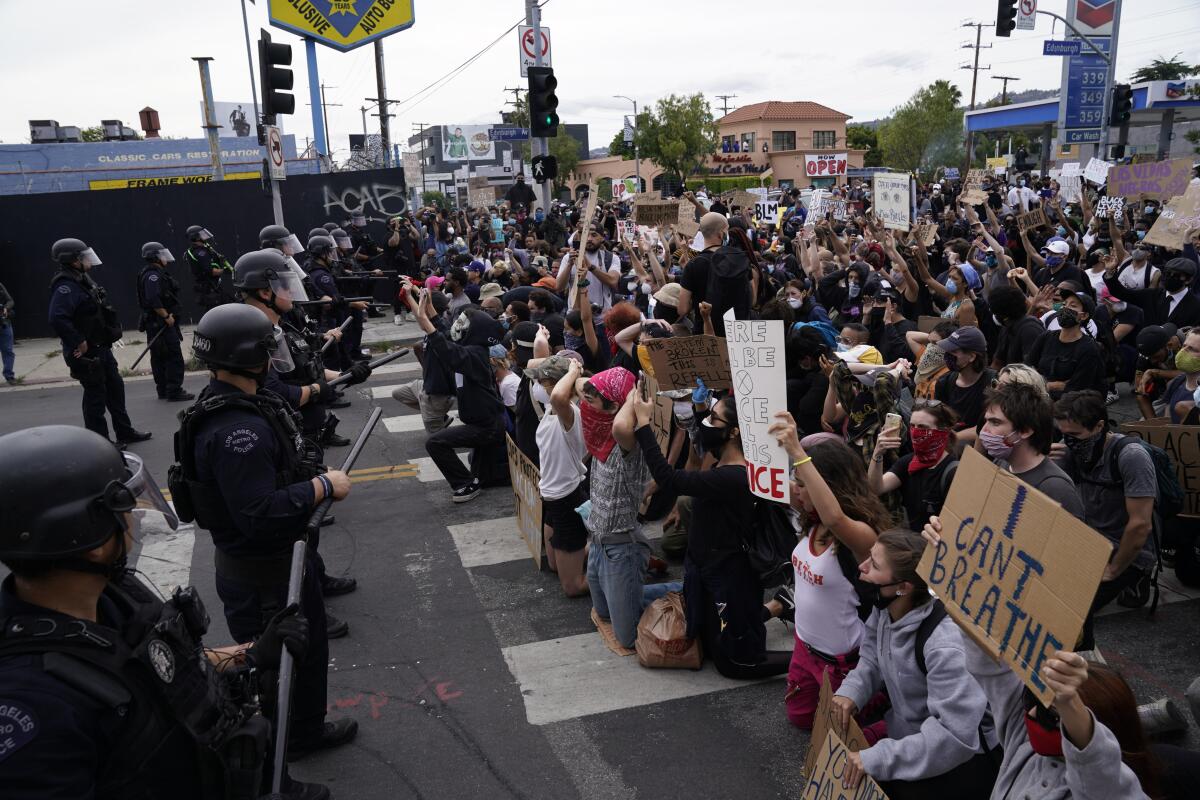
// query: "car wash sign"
[[342, 24]]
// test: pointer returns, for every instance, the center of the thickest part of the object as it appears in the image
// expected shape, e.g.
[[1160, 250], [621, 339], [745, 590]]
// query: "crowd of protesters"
[[903, 349]]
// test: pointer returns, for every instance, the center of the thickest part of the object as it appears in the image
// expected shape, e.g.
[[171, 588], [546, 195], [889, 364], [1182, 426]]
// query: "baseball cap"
[[1059, 248], [551, 369], [1153, 338], [965, 338], [434, 282]]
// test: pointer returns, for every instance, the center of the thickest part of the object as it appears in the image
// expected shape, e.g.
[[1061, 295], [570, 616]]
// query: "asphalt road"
[[471, 676]]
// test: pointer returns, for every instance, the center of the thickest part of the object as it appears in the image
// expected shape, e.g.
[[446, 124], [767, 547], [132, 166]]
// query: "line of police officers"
[[106, 690]]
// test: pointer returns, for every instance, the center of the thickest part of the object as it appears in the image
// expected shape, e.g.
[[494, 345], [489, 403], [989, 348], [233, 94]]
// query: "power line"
[[725, 98]]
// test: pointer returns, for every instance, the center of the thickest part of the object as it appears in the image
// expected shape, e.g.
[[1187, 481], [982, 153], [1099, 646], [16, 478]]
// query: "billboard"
[[342, 24], [235, 119], [467, 143]]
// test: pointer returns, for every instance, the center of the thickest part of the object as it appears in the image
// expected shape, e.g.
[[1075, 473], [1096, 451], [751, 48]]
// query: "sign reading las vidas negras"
[[342, 24], [1015, 570]]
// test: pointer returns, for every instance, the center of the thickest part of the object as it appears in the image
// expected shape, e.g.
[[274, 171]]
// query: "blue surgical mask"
[[854, 289], [1053, 261], [842, 347], [539, 216], [1062, 231], [951, 286], [1140, 235]]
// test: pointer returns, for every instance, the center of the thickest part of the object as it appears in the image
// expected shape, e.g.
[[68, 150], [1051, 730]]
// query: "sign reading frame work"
[[348, 23]]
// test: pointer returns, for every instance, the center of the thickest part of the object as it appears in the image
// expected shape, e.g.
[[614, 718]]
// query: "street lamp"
[[637, 163]]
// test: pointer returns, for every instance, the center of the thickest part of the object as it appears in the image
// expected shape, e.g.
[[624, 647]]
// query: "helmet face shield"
[[291, 245], [281, 356], [204, 234], [296, 268], [358, 220], [89, 258], [287, 284], [343, 242], [165, 256], [139, 496]]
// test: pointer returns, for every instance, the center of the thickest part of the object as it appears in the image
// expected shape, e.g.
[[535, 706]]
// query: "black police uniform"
[[364, 244], [324, 284], [351, 345], [157, 289], [79, 312], [126, 707], [248, 476], [202, 260]]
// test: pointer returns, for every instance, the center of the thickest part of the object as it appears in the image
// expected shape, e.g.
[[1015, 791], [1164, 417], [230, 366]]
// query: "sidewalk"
[[39, 362]]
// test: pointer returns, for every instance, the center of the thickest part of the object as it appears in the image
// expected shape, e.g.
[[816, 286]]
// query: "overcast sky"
[[110, 59]]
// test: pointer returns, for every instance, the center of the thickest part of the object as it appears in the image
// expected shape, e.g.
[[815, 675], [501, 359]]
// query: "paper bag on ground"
[[662, 641], [1014, 569]]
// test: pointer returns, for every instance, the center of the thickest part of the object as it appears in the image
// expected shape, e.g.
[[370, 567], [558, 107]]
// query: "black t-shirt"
[[1068, 272], [1079, 363], [967, 401], [892, 344], [1017, 339], [924, 491], [695, 280]]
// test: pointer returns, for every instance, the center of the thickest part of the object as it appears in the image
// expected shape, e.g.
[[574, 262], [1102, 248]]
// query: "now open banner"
[[819, 165]]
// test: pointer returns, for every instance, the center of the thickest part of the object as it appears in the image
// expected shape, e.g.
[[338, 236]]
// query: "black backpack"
[[769, 542], [936, 614], [728, 278], [849, 567]]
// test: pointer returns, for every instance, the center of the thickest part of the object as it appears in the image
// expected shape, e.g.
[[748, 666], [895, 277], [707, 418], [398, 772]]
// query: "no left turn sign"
[[528, 51], [275, 154]]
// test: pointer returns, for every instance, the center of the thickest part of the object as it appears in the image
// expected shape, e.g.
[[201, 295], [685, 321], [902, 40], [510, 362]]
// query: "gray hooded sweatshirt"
[[1094, 773], [934, 722]]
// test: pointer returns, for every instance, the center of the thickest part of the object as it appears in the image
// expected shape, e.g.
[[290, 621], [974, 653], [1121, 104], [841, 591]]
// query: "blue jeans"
[[6, 350], [615, 575]]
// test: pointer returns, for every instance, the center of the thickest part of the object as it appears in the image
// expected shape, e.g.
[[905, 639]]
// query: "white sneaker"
[[398, 319]]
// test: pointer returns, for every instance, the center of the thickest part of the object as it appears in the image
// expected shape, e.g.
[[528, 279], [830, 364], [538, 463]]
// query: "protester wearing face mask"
[[965, 355], [1067, 750], [1138, 272], [924, 475], [888, 326], [1182, 394], [929, 361], [956, 293], [1069, 359], [1172, 302], [838, 518], [1057, 266], [1018, 426], [580, 334], [938, 732], [1117, 486]]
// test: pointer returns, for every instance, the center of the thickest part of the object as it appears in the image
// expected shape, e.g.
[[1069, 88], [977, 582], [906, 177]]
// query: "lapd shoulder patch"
[[162, 659], [18, 727], [242, 440], [64, 289], [152, 277]]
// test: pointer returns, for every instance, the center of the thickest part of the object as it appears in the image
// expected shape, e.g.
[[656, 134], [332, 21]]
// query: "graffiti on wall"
[[377, 201]]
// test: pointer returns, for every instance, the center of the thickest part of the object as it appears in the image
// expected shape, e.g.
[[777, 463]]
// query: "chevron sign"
[[1095, 14]]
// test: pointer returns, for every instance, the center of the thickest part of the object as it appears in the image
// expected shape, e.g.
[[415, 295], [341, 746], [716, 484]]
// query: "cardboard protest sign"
[[685, 221], [824, 722], [660, 419], [1179, 215], [818, 206], [1070, 188], [1034, 218], [1161, 179], [628, 230], [526, 478], [1109, 207], [760, 388], [1096, 171], [1014, 569], [891, 200], [482, 197], [679, 360], [477, 182], [1072, 169], [743, 199], [926, 323], [656, 212], [973, 193], [767, 211], [841, 211], [926, 233], [1182, 443], [825, 781]]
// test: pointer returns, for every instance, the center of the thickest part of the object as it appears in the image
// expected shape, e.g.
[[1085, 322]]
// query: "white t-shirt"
[[1132, 277], [826, 603], [598, 294], [562, 453], [1020, 197], [508, 389]]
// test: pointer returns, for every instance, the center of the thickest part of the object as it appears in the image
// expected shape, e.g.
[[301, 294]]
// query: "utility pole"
[[210, 122], [420, 126], [725, 98], [363, 110], [978, 26], [325, 119], [1004, 89], [539, 146], [385, 136]]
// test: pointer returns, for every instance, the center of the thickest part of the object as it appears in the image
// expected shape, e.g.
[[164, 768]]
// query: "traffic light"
[[543, 103], [545, 168], [1122, 104], [1006, 17], [274, 81]]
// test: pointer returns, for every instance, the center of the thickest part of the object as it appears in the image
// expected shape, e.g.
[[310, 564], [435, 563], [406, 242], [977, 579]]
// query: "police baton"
[[318, 515], [284, 699], [149, 345], [379, 362], [331, 340]]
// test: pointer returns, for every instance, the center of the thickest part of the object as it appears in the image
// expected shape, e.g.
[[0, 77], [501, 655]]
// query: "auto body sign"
[[342, 24]]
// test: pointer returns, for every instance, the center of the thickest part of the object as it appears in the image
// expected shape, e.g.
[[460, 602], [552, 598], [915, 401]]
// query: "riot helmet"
[[198, 233], [154, 251], [281, 239], [317, 232], [329, 226], [268, 269], [320, 246], [341, 239], [67, 490], [66, 251], [242, 340]]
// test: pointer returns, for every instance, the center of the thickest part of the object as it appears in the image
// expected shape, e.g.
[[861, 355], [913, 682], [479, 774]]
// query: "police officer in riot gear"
[[207, 267], [245, 474], [158, 297], [322, 256], [106, 690], [281, 239], [88, 326]]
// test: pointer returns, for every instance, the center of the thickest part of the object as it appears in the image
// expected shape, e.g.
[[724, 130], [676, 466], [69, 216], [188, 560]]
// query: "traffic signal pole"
[[210, 123], [538, 146]]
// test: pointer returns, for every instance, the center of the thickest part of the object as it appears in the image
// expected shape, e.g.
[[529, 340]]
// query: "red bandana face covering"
[[613, 385], [928, 446]]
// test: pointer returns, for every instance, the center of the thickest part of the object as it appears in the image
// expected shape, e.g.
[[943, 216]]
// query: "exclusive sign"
[[342, 24]]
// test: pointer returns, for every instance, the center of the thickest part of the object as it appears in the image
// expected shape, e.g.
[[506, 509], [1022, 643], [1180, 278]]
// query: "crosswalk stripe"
[[407, 423], [373, 470], [394, 367], [491, 541], [428, 471], [576, 676]]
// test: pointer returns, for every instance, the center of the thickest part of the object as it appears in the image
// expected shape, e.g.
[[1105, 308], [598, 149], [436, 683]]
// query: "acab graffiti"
[[380, 200]]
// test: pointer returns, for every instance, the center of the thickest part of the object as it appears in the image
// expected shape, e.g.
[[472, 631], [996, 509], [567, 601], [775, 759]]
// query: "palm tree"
[[1172, 69]]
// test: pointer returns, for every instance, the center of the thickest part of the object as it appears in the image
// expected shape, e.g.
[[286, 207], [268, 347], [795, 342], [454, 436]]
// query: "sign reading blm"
[[342, 24]]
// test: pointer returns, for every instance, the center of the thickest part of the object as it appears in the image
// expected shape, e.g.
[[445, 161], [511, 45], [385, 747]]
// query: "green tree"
[[1171, 69], [678, 134], [1194, 138], [925, 132], [617, 146], [562, 147], [92, 134], [435, 199], [860, 137]]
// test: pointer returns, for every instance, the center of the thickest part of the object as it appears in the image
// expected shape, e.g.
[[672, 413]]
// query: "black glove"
[[359, 373], [287, 628], [323, 390]]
